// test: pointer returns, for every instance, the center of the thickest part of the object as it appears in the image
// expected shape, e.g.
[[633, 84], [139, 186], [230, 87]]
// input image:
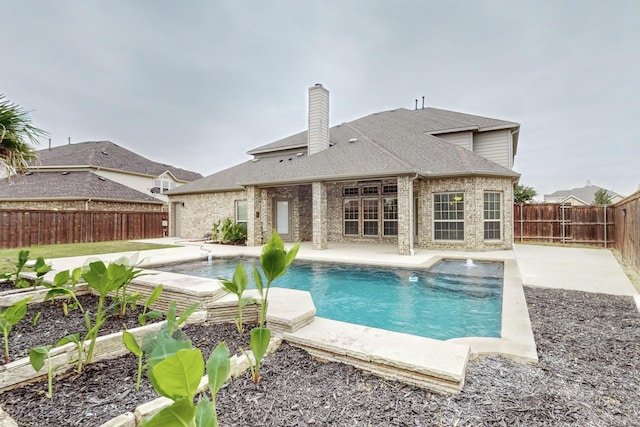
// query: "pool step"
[[435, 365]]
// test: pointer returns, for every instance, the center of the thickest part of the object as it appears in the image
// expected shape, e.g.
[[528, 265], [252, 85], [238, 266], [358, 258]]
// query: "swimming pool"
[[453, 299]]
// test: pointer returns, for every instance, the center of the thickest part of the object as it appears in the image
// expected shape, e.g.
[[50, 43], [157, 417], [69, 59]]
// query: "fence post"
[[605, 226], [521, 223], [563, 235]]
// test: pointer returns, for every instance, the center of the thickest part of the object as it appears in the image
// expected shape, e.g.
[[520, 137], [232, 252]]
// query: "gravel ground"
[[588, 375]]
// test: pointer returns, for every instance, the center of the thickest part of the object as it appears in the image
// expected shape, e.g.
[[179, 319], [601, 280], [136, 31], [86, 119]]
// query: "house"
[[427, 178], [94, 175], [581, 196]]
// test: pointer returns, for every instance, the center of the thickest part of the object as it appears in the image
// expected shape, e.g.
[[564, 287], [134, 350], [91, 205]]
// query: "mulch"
[[588, 346]]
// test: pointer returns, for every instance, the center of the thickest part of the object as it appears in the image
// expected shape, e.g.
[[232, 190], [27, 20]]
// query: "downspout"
[[411, 214], [86, 204]]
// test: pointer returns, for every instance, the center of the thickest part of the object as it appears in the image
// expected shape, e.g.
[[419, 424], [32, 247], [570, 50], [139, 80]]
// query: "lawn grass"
[[8, 257]]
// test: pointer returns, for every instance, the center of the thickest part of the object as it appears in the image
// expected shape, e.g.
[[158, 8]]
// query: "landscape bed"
[[588, 346]]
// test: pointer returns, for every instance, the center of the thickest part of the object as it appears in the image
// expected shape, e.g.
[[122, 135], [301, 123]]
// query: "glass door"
[[282, 219]]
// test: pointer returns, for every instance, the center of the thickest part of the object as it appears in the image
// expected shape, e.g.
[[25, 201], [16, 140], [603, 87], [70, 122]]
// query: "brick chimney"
[[318, 133]]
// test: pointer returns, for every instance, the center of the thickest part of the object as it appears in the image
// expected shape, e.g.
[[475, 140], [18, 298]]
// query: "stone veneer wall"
[[81, 205], [200, 211], [473, 189]]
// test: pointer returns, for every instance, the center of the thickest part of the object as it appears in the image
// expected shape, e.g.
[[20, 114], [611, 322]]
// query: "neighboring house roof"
[[68, 185], [586, 194], [382, 144], [106, 155]]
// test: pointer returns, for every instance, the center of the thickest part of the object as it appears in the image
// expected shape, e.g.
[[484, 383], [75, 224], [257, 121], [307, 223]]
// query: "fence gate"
[[564, 224]]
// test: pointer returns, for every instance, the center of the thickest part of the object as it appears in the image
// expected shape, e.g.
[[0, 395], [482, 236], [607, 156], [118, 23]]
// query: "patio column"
[[405, 213], [254, 229], [320, 221]]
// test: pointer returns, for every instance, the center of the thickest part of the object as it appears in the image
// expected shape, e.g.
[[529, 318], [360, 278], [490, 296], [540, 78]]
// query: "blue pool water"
[[453, 299]]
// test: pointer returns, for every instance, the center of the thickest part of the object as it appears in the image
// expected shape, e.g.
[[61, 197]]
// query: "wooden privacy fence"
[[564, 224], [627, 218], [23, 228]]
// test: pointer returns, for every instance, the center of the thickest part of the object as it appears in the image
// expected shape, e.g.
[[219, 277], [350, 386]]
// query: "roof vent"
[[255, 160], [352, 140], [105, 153], [299, 154], [102, 178], [65, 173]]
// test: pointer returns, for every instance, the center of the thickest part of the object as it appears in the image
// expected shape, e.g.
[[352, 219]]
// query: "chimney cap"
[[318, 85]]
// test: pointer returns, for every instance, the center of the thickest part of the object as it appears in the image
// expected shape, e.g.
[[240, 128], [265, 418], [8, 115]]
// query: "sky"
[[196, 84]]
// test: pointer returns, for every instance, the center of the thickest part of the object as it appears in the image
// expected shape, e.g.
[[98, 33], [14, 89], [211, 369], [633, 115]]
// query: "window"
[[370, 190], [162, 183], [241, 213], [351, 217], [390, 189], [390, 217], [492, 216], [448, 216], [350, 191], [370, 216]]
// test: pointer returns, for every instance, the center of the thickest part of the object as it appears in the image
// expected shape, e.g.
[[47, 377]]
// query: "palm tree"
[[17, 137]]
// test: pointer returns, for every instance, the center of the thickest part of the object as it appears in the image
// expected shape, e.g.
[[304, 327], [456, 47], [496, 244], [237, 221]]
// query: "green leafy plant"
[[274, 261], [36, 318], [150, 314], [259, 343], [9, 318], [79, 345], [170, 337], [132, 345], [37, 357], [177, 377], [60, 287], [14, 276], [215, 232], [103, 279], [122, 298], [232, 232], [41, 268], [237, 286]]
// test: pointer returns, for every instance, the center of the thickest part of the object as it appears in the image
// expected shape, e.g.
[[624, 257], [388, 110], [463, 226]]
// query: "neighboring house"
[[425, 178], [95, 175], [581, 196]]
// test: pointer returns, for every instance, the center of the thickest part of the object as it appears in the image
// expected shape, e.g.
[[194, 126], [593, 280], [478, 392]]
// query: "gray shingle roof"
[[587, 193], [68, 185], [427, 120], [106, 154], [389, 143]]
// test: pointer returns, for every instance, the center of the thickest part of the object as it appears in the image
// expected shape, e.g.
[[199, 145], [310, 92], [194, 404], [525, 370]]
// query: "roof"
[[390, 143], [427, 120], [107, 155], [68, 185], [586, 194]]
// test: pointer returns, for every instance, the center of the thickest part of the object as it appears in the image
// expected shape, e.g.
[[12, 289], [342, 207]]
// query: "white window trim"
[[499, 220], [435, 221]]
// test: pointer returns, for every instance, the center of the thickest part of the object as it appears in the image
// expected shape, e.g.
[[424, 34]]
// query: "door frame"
[[289, 235]]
